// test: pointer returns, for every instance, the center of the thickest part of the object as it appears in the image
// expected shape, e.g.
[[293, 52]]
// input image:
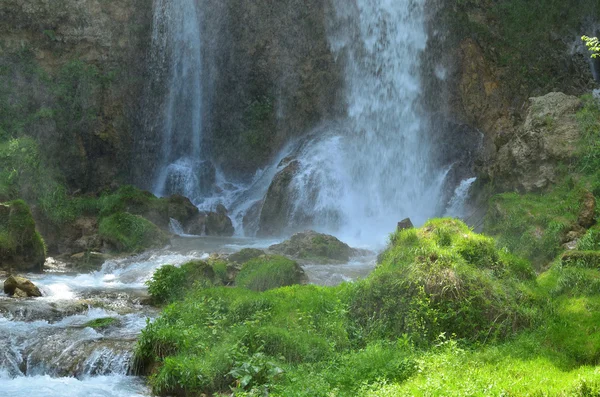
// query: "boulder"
[[14, 283], [21, 246], [218, 223], [19, 293], [245, 255], [587, 213], [251, 218], [274, 214], [405, 224], [313, 246], [530, 159]]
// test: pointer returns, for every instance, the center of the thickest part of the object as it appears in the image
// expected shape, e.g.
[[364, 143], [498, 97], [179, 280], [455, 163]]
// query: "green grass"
[[445, 314]]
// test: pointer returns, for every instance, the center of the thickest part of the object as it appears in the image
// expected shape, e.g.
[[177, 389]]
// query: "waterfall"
[[456, 206], [375, 169], [177, 59]]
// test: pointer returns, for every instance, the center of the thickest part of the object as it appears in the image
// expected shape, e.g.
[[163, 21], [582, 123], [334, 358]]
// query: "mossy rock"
[[101, 323], [245, 255], [125, 232], [443, 278], [269, 272], [313, 246], [170, 282], [21, 246]]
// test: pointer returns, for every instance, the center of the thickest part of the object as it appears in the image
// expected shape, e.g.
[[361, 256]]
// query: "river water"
[[47, 347]]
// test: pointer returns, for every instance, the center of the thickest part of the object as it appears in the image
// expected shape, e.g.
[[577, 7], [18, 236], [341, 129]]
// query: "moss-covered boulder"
[[245, 255], [170, 282], [443, 278], [268, 272], [21, 246], [126, 232], [19, 286], [313, 246]]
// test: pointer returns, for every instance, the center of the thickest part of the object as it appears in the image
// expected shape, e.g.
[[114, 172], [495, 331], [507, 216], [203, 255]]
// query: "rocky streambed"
[[78, 339]]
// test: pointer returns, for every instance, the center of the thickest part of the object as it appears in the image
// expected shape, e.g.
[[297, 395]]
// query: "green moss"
[[21, 246], [268, 272], [100, 323], [131, 233]]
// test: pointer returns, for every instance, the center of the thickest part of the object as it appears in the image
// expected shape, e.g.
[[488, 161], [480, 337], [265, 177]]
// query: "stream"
[[48, 347]]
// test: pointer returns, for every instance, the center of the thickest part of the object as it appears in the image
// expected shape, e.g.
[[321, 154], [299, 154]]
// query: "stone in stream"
[[313, 246], [14, 283]]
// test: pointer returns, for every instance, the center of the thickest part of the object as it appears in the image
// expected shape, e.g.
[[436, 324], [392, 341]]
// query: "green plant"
[[592, 44]]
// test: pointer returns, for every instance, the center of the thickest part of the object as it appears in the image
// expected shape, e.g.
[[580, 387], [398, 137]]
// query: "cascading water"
[[358, 181], [177, 51]]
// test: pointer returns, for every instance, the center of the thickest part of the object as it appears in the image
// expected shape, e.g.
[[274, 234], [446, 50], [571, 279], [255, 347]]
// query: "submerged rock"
[[310, 245], [19, 286]]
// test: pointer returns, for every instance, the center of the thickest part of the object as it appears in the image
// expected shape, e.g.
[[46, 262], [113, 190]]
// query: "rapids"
[[48, 346]]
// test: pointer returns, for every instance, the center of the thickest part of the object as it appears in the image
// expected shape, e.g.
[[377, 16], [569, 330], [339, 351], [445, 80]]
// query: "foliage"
[[592, 44], [131, 233], [268, 272]]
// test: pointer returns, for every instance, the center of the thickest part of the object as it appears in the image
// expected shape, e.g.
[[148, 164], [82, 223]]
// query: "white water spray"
[[176, 49], [359, 181]]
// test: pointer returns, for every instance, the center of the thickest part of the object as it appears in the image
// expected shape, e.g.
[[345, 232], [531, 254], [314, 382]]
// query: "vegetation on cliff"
[[446, 312]]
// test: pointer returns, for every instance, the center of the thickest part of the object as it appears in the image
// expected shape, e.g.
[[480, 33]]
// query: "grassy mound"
[[443, 278], [131, 233], [268, 272]]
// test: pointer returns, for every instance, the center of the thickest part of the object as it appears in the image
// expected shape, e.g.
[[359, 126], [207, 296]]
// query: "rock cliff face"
[[485, 59], [70, 75], [274, 77]]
